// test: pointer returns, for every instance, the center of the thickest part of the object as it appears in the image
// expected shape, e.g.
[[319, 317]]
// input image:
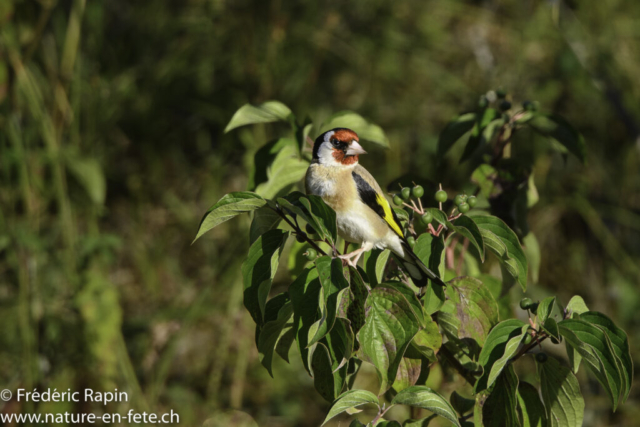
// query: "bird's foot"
[[351, 258]]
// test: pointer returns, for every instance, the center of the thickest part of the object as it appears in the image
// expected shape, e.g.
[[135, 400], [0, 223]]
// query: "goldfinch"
[[363, 213]]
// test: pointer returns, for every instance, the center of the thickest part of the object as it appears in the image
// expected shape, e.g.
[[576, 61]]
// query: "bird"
[[363, 214]]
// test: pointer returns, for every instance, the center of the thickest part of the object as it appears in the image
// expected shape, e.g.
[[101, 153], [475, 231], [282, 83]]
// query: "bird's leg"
[[350, 256], [346, 247]]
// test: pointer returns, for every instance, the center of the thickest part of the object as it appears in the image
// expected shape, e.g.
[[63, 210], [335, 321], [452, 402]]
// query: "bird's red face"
[[338, 147]]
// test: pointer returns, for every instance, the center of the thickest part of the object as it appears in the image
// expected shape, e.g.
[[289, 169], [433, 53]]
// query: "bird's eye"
[[334, 141]]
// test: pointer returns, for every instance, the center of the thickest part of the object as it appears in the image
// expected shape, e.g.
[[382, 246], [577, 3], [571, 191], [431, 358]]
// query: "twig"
[[299, 232]]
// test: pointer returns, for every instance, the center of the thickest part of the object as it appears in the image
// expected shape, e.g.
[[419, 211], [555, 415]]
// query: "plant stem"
[[299, 232]]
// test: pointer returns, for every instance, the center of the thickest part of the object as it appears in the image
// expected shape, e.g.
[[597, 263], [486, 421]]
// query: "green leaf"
[[328, 379], [88, 172], [551, 327], [430, 250], [486, 177], [333, 282], [270, 111], [375, 262], [500, 345], [545, 307], [450, 324], [259, 269], [389, 327], [350, 120], [461, 404], [351, 399], [454, 131], [314, 211], [353, 303], [530, 407], [466, 226], [425, 398], [286, 169], [503, 242], [595, 347], [483, 132], [474, 306], [500, 408], [271, 332], [561, 395], [229, 206], [408, 373], [263, 158], [620, 344], [412, 299], [577, 306], [304, 293], [428, 340], [558, 128], [388, 424], [340, 342], [264, 219], [356, 423]]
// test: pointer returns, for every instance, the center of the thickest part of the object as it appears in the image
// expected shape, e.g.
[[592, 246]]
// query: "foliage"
[[341, 316]]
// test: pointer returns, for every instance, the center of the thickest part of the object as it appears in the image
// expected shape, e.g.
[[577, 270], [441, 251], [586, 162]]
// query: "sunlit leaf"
[[264, 219], [620, 344], [351, 399], [500, 346], [333, 282], [430, 250], [561, 395], [229, 206], [286, 169], [350, 120], [389, 328], [503, 242], [545, 307], [595, 347], [375, 262], [270, 111], [474, 307], [425, 398]]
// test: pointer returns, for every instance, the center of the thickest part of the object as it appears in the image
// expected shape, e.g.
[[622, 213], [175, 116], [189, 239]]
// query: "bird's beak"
[[354, 149]]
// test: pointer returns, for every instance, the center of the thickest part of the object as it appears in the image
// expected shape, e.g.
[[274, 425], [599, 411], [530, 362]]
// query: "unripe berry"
[[309, 229], [534, 308], [505, 105], [397, 200], [311, 254], [464, 207], [417, 191], [411, 241], [483, 102], [525, 303], [459, 199], [541, 357], [406, 193], [301, 238], [472, 201], [441, 196], [501, 93], [527, 339], [427, 218]]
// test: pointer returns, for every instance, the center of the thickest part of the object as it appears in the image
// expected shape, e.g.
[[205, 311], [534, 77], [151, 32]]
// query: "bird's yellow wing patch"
[[388, 216]]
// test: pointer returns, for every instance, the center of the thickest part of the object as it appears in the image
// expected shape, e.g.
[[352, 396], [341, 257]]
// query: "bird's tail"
[[420, 273]]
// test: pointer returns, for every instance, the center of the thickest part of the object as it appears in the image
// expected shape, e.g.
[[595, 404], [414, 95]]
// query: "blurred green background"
[[112, 147]]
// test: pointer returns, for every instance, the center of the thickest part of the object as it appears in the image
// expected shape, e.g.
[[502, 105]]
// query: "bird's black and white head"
[[337, 147]]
